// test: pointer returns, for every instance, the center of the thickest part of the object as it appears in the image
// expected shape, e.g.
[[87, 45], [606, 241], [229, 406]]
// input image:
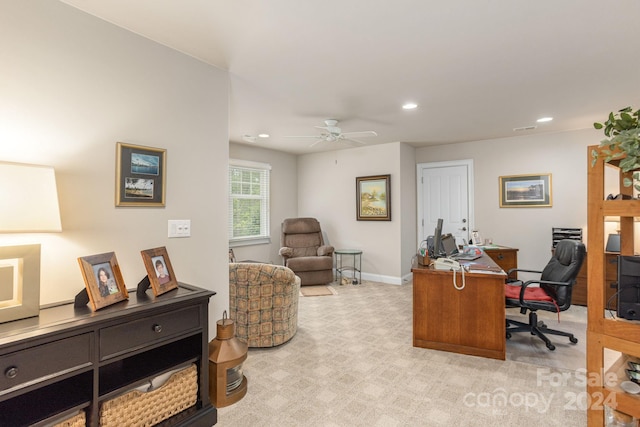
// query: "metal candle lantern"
[[227, 384]]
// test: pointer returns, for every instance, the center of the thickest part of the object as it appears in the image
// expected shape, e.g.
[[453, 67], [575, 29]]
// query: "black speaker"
[[629, 287]]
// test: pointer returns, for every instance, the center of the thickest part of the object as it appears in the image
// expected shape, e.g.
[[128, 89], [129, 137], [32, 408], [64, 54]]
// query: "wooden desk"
[[470, 321]]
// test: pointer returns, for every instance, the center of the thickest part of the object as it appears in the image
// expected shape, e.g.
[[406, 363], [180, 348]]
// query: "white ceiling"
[[477, 68]]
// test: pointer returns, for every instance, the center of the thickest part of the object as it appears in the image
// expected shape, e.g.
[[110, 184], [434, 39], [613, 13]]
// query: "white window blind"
[[248, 202]]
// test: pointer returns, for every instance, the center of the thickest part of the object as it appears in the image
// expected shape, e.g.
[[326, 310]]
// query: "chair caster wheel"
[[508, 335], [573, 340], [551, 347]]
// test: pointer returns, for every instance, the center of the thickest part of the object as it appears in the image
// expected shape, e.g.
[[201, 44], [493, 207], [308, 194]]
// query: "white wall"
[[327, 190], [72, 86], [564, 155], [408, 213], [283, 197]]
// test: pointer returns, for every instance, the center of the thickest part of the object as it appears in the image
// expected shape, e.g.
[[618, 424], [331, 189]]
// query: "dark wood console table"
[[70, 359], [468, 321]]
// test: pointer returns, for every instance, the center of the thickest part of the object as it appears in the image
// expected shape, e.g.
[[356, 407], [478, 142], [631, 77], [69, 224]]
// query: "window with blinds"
[[248, 202]]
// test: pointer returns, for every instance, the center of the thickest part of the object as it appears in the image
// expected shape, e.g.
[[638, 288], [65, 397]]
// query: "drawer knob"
[[157, 328], [11, 372], [500, 256]]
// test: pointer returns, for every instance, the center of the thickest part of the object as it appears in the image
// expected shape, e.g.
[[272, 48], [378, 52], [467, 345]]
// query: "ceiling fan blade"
[[354, 140], [303, 136], [320, 140], [362, 134]]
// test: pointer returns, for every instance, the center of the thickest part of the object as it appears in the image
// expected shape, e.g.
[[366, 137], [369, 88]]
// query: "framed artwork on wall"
[[373, 198], [159, 270], [521, 191], [103, 280], [140, 175]]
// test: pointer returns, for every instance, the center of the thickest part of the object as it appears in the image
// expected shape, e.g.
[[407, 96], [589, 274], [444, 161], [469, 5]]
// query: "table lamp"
[[29, 201]]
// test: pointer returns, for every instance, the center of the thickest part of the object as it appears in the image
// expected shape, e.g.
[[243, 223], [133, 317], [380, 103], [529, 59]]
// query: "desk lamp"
[[28, 204]]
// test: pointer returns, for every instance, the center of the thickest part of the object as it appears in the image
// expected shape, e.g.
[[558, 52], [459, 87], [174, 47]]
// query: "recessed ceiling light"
[[410, 106], [544, 119], [263, 135]]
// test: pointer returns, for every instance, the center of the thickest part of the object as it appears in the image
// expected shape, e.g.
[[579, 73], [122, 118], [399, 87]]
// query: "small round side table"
[[355, 266]]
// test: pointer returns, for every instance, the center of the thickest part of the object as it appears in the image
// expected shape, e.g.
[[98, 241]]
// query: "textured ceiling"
[[477, 68]]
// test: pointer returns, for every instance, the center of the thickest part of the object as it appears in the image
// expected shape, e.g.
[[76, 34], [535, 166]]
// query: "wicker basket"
[[78, 420], [137, 408]]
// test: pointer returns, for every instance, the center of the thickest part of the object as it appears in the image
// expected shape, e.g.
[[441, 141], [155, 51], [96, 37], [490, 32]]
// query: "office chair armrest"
[[549, 282], [544, 282], [515, 270], [528, 283]]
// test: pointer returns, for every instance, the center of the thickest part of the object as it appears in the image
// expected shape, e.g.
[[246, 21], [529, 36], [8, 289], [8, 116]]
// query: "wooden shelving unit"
[[605, 330]]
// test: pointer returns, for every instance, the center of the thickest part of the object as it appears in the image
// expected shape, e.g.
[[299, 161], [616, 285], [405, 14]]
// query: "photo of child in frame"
[[161, 270], [106, 283]]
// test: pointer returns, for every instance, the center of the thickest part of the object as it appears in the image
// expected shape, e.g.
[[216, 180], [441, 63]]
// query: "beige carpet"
[[317, 291], [352, 363]]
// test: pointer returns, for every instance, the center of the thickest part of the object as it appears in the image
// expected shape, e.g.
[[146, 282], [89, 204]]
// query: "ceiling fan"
[[334, 133]]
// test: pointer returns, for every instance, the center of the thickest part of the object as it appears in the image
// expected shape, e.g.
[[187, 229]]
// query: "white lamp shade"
[[28, 199]]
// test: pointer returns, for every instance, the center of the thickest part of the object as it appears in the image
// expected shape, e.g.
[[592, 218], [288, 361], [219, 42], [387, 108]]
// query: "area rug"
[[317, 291]]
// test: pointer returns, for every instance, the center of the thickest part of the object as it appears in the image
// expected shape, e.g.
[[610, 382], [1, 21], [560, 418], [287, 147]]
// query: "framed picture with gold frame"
[[159, 270], [373, 198], [525, 191], [103, 280], [140, 175]]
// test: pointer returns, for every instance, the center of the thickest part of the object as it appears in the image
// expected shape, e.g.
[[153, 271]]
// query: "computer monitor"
[[437, 240]]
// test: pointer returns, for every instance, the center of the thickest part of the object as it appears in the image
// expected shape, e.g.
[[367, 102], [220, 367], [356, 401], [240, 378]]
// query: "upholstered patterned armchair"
[[303, 251], [263, 302]]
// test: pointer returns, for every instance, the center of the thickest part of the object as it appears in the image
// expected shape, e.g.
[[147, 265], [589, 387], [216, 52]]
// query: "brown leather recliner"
[[303, 251]]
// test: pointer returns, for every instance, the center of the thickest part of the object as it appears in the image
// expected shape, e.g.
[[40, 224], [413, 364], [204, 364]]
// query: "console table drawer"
[[129, 336], [45, 360]]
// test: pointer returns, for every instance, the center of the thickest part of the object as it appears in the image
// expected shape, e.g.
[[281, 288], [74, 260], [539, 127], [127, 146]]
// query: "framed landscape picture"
[[159, 270], [518, 191], [140, 175], [373, 198], [103, 280]]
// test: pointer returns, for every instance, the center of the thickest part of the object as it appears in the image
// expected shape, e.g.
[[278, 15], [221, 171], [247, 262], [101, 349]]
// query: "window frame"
[[265, 202]]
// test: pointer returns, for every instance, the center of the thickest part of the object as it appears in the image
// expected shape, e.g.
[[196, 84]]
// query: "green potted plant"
[[622, 130]]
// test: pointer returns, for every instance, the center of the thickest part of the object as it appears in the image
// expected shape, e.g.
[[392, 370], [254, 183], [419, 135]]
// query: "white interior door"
[[445, 190]]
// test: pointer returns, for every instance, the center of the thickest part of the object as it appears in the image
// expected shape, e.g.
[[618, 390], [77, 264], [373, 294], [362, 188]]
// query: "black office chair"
[[553, 294]]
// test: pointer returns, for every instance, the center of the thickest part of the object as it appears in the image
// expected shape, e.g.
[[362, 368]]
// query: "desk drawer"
[[45, 360], [130, 336], [505, 259]]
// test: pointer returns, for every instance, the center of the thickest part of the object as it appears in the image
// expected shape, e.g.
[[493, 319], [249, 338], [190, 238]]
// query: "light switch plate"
[[179, 228]]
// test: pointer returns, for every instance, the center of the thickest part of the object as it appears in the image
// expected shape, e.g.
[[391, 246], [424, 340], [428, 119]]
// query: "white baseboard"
[[392, 280]]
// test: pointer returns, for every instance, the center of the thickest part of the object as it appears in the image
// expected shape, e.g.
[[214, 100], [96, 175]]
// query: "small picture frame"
[[525, 191], [103, 280], [159, 270], [140, 175], [373, 198]]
